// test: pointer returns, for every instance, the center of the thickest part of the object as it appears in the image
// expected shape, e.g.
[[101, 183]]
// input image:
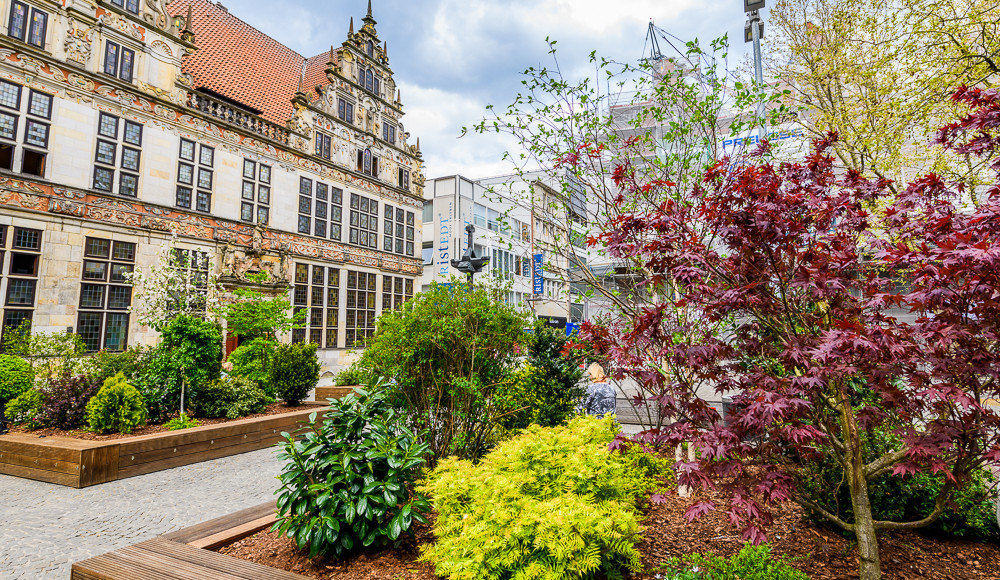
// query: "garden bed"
[[247, 550], [77, 462]]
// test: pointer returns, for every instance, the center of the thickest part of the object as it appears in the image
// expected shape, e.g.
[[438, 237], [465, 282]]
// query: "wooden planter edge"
[[81, 463], [188, 553]]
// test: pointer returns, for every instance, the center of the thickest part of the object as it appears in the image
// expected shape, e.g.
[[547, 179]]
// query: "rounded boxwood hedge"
[[16, 377]]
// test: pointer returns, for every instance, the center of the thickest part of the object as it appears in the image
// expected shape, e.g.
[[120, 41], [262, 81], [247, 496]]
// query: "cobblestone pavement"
[[44, 528]]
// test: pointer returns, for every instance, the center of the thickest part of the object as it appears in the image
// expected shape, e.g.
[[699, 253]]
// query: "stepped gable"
[[243, 64]]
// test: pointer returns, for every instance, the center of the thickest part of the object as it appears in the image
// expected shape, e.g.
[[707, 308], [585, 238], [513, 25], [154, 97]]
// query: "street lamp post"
[[470, 263], [753, 31]]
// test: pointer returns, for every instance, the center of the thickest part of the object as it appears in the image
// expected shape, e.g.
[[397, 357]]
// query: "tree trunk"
[[869, 566]]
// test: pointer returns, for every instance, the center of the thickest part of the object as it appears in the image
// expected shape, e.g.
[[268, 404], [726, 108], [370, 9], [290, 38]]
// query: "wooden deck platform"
[[80, 463], [186, 554]]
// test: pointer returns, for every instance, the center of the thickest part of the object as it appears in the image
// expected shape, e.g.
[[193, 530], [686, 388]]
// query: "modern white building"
[[518, 226]]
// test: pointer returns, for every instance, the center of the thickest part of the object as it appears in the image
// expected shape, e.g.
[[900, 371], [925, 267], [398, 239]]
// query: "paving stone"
[[47, 527]]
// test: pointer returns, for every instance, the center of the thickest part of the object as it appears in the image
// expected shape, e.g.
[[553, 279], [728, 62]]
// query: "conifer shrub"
[[294, 371], [16, 377], [551, 503], [28, 409], [347, 483], [751, 563], [117, 408], [231, 397]]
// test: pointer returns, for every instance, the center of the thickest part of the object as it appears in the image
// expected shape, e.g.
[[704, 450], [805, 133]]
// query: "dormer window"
[[27, 24], [118, 61], [369, 81], [130, 5]]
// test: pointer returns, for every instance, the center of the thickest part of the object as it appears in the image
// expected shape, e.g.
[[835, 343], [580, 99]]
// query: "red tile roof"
[[243, 64]]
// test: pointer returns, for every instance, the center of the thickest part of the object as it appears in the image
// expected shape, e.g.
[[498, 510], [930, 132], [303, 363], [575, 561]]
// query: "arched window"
[[368, 162], [370, 81]]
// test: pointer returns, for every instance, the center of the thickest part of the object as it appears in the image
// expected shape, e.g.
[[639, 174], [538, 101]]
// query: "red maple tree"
[[828, 308]]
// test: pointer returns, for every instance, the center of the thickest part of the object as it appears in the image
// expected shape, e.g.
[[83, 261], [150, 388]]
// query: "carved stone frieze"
[[78, 43], [121, 24], [66, 207]]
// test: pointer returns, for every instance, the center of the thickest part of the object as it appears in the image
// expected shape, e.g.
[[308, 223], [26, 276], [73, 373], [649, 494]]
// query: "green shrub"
[[551, 503], [130, 363], [250, 361], [231, 397], [182, 421], [16, 377], [751, 563], [446, 352], [969, 514], [56, 354], [189, 356], [354, 375], [117, 408], [294, 371], [546, 390], [347, 484], [28, 409]]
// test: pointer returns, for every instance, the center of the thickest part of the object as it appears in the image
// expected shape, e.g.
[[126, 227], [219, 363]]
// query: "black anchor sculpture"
[[470, 263]]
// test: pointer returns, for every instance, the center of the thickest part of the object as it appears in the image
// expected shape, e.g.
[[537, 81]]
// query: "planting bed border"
[[324, 393], [187, 554], [80, 463]]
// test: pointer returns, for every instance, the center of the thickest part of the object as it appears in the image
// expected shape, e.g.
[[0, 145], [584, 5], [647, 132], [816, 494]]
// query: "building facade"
[[518, 227], [128, 128]]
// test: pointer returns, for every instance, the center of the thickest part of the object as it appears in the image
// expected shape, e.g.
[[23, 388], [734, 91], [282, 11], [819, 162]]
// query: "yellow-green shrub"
[[550, 503]]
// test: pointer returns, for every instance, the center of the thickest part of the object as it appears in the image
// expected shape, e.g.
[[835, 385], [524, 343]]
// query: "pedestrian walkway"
[[44, 528]]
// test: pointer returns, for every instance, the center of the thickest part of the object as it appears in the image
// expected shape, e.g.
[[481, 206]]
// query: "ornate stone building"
[[130, 126]]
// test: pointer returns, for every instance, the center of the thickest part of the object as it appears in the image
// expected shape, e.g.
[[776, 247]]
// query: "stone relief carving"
[[78, 42], [121, 24], [156, 14]]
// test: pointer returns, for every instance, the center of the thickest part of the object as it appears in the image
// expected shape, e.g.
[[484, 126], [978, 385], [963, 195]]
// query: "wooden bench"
[[186, 554]]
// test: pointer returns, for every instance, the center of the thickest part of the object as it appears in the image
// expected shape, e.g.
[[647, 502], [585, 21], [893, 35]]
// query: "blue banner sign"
[[539, 280]]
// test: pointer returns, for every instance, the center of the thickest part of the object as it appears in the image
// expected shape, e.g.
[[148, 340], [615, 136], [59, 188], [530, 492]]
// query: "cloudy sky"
[[453, 57]]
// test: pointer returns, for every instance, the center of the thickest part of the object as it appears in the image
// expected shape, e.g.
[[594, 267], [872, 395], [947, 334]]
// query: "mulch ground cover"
[[272, 409], [822, 553]]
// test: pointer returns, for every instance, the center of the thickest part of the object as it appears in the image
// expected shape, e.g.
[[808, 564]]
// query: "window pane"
[[97, 247], [25, 239], [40, 105], [334, 231], [305, 205], [338, 196], [336, 214], [133, 133], [204, 178], [8, 126], [97, 271], [187, 150], [37, 134], [321, 210], [108, 126], [320, 229], [36, 36], [103, 178], [130, 159], [249, 169], [89, 329], [120, 273], [248, 190], [106, 152], [246, 212], [207, 156], [303, 224], [263, 194], [301, 273], [185, 174], [305, 186], [116, 331], [262, 215], [125, 72], [20, 292], [119, 297], [265, 174], [18, 20], [111, 59], [92, 296], [128, 185], [204, 201], [184, 197]]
